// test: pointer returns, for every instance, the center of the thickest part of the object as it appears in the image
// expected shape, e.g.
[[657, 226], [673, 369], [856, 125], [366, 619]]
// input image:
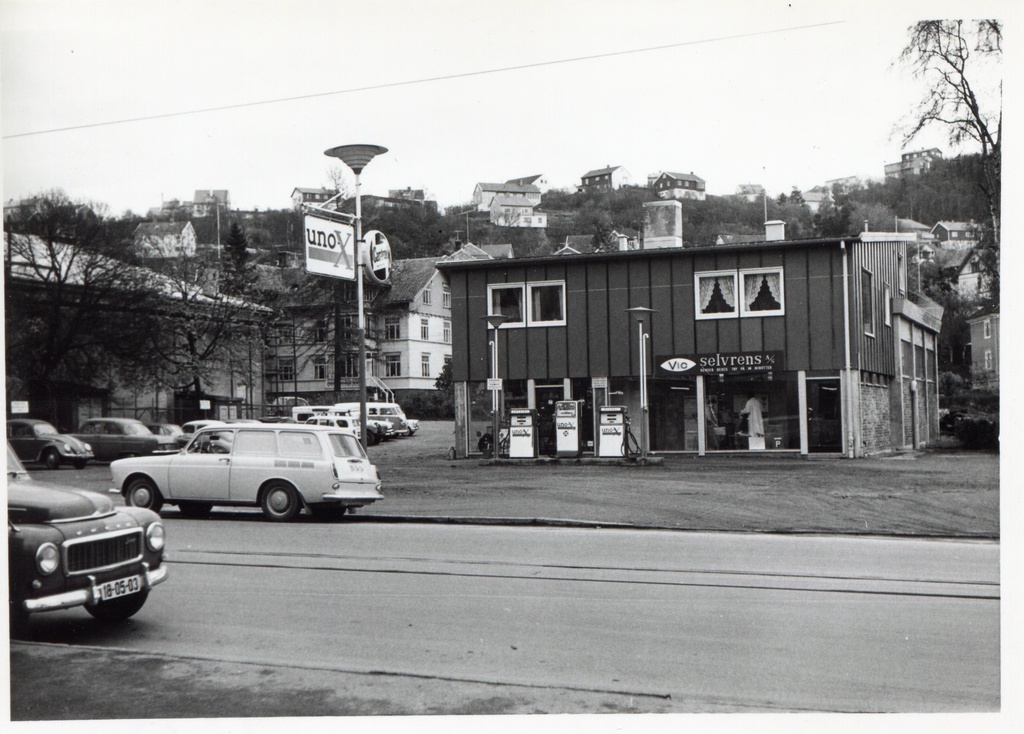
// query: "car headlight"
[[47, 558], [155, 536], [88, 446]]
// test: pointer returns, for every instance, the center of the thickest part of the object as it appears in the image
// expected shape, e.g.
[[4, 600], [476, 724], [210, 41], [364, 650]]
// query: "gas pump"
[[611, 431], [568, 414], [522, 433]]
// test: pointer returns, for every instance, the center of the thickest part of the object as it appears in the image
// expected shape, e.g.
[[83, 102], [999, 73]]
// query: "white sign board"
[[204, 405], [330, 248], [494, 384], [19, 406]]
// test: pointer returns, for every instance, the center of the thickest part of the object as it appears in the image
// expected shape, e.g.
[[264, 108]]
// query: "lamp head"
[[356, 156], [496, 319]]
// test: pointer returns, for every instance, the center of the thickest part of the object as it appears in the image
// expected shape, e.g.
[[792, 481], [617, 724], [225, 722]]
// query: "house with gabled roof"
[[608, 178], [972, 273], [205, 203], [957, 234], [484, 193], [671, 185], [576, 244], [499, 252], [302, 195], [164, 239], [750, 192], [984, 325], [539, 180], [511, 211]]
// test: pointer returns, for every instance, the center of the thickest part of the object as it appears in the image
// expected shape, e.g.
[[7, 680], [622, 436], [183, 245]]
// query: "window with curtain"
[[762, 292], [716, 294], [506, 300], [547, 304]]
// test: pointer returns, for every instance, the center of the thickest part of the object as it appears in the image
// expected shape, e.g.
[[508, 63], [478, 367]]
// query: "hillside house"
[[207, 203], [539, 180], [957, 234], [301, 195], [913, 164], [751, 192], [511, 211], [984, 327], [164, 239], [484, 193], [608, 178], [672, 185]]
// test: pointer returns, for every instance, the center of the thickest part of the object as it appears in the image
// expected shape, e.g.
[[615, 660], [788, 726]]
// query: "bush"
[[978, 433], [426, 404]]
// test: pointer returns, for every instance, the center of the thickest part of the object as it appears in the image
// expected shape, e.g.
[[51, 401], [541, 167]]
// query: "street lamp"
[[640, 312], [356, 157], [495, 320]]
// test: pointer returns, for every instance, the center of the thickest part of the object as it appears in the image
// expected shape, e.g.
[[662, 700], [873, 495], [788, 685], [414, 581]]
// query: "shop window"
[[547, 304], [762, 292], [508, 301], [716, 294]]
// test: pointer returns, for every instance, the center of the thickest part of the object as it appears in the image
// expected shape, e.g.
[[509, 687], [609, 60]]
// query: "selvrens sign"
[[718, 363]]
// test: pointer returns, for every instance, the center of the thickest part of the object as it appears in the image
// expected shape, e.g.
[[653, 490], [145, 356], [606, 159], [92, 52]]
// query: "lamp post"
[[495, 320], [356, 157], [640, 312]]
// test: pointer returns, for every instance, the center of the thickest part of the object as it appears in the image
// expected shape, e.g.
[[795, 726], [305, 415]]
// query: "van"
[[278, 467], [388, 412]]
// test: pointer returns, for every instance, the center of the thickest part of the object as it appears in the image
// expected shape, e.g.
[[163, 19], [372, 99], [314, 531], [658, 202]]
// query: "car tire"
[[280, 502], [143, 493], [374, 439], [195, 510], [51, 459], [118, 610]]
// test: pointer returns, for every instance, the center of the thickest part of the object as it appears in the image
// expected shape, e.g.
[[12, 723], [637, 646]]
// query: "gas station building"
[[822, 336]]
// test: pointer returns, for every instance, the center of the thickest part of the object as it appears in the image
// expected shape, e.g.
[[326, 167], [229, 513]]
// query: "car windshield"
[[44, 429], [344, 445], [136, 429]]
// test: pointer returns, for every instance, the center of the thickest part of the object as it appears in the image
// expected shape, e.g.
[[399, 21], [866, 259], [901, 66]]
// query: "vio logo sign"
[[678, 364]]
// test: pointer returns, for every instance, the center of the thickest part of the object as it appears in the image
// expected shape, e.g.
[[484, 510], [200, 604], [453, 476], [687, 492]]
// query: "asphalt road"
[[359, 618]]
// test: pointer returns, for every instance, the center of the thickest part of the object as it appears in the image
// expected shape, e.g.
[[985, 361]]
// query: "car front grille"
[[99, 553]]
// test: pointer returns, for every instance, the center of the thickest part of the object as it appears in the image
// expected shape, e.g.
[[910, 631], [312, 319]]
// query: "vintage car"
[[165, 429], [189, 429], [279, 467], [36, 440], [69, 548], [114, 438], [377, 431], [389, 412]]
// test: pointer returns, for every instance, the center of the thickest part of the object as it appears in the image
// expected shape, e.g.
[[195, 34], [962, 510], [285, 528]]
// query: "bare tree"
[[949, 55]]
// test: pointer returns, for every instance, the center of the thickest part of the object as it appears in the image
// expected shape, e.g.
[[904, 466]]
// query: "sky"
[[131, 103]]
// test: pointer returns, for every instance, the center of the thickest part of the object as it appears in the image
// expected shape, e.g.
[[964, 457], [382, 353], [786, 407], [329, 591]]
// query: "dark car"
[[69, 548], [36, 440], [118, 438]]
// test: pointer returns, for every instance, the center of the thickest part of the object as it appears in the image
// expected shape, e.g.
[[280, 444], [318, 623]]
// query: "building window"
[[901, 284], [547, 304], [887, 304], [321, 331], [446, 296], [392, 327], [350, 365], [508, 301], [425, 364], [426, 296], [762, 293], [447, 332], [425, 329], [716, 294], [986, 326], [320, 368], [867, 306], [448, 360], [988, 359], [392, 365], [285, 370]]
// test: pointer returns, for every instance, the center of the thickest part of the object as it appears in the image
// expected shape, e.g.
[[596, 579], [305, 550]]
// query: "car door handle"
[[224, 461]]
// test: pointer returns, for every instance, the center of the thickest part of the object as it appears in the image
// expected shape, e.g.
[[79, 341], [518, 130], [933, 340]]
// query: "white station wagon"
[[276, 467]]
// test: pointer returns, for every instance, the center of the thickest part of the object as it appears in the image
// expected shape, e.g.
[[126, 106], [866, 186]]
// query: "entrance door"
[[824, 417], [546, 396]]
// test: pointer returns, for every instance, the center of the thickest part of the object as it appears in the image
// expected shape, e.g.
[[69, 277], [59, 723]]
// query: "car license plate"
[[121, 587]]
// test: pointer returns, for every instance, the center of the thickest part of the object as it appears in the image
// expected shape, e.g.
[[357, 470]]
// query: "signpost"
[[330, 246]]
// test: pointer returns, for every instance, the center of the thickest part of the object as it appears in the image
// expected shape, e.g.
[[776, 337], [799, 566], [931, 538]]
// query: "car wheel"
[[143, 493], [80, 464], [374, 439], [51, 458], [195, 509], [118, 610], [280, 502]]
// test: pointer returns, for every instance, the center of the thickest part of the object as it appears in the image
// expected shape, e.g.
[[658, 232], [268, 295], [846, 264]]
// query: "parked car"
[[188, 430], [36, 440], [165, 429], [69, 548], [115, 438], [376, 431], [278, 467], [389, 412]]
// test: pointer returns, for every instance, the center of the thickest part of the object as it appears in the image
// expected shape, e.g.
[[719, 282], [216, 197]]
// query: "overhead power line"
[[425, 80]]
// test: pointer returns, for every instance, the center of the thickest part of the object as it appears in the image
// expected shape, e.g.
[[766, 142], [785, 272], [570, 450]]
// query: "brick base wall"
[[876, 433]]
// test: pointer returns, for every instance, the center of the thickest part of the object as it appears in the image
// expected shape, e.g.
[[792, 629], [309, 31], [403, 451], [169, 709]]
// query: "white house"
[[672, 185], [165, 239], [606, 179], [302, 196], [511, 211], [484, 193]]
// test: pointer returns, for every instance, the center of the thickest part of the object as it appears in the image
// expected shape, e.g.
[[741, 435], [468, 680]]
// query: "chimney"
[[663, 224], [774, 231]]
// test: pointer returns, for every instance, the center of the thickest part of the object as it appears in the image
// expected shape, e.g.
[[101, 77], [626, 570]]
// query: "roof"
[[303, 190], [408, 278], [601, 171], [986, 311], [161, 229], [958, 226], [909, 225], [506, 188], [499, 252], [683, 176], [468, 251], [511, 201], [744, 189], [525, 180]]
